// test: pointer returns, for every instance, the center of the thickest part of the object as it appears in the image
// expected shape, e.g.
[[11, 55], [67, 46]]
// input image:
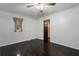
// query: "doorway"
[[46, 24]]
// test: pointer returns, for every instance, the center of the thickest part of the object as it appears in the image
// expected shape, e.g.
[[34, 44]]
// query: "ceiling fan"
[[41, 5]]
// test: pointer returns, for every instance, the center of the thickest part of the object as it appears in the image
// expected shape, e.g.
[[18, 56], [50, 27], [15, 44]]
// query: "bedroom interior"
[[39, 29]]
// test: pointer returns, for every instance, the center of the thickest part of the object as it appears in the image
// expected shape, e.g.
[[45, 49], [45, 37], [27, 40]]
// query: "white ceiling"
[[20, 8]]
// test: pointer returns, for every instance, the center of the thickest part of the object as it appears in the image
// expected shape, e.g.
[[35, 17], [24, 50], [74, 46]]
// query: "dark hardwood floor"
[[35, 48]]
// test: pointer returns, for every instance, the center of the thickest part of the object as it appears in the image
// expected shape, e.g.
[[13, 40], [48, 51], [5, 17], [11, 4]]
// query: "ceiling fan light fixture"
[[40, 6]]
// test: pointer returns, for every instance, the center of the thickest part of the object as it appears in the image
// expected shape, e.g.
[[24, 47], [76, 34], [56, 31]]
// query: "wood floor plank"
[[35, 48]]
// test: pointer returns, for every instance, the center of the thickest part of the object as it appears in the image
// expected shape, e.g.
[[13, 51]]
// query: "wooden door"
[[47, 37]]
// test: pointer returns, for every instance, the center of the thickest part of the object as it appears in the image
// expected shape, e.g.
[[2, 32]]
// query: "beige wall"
[[7, 34], [64, 27]]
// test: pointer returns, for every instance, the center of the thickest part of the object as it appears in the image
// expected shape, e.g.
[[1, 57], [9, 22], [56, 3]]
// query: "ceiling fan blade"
[[50, 4], [29, 6]]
